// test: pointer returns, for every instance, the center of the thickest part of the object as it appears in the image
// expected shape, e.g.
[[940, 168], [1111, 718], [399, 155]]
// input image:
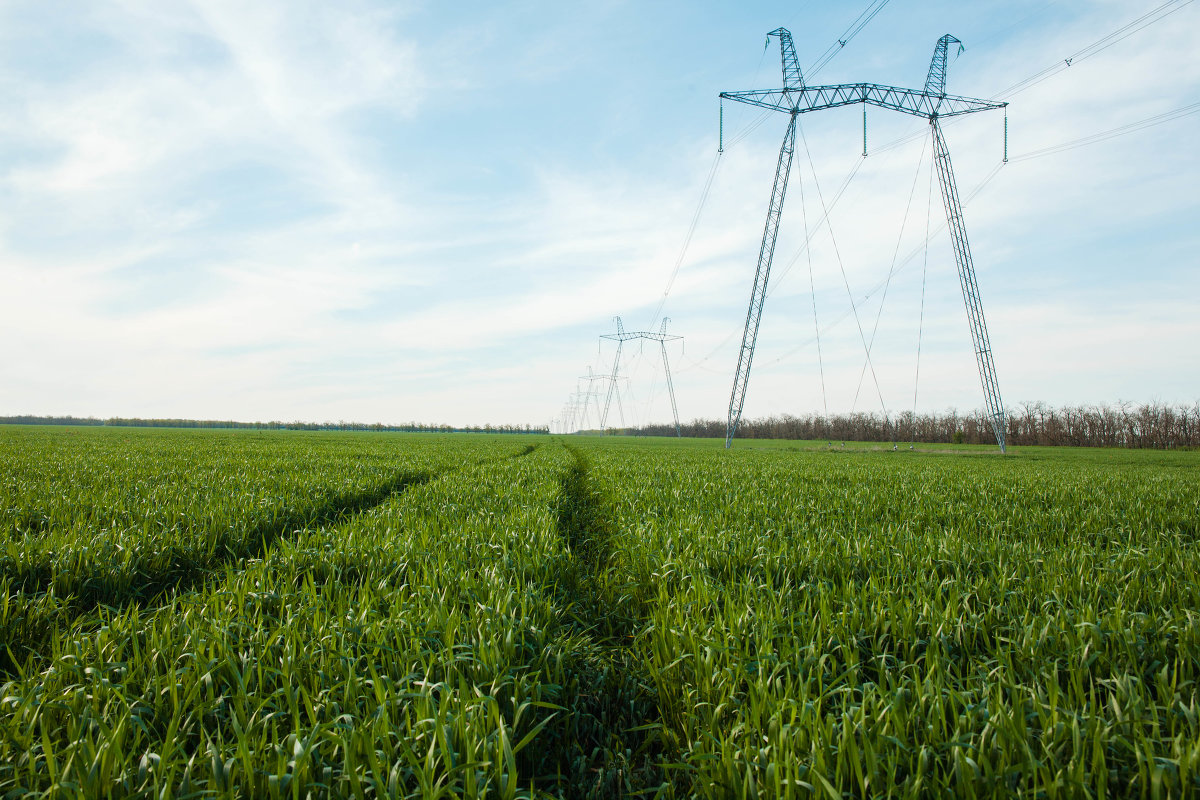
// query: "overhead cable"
[[687, 239], [891, 271], [868, 14], [1096, 138], [845, 280], [1103, 43], [861, 22]]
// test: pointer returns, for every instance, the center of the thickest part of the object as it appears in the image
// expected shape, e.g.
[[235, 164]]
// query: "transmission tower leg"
[[970, 287], [758, 294], [612, 385], [588, 401], [670, 389]]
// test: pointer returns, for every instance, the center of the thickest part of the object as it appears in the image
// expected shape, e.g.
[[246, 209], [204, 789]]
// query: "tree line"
[[135, 422], [1150, 425]]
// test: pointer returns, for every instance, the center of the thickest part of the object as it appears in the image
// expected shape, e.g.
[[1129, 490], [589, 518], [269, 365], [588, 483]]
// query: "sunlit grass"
[[385, 615]]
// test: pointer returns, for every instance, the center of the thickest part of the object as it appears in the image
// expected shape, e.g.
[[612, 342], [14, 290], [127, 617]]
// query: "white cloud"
[[295, 210]]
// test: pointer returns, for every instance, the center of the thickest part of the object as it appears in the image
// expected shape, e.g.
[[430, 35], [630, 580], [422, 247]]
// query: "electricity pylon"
[[621, 337], [592, 392], [577, 408], [931, 103], [585, 399], [568, 415], [571, 411]]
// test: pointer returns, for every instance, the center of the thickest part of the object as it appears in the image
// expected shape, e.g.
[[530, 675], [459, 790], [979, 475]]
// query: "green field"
[[288, 614]]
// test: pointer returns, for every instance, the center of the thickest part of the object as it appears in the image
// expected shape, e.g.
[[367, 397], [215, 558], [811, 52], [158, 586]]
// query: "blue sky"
[[427, 211]]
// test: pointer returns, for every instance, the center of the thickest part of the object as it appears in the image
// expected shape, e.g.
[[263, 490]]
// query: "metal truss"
[[592, 392], [820, 98], [587, 398], [621, 337], [970, 287], [931, 103], [758, 294]]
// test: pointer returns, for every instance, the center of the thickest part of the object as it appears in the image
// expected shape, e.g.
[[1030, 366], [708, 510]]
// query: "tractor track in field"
[[524, 451], [184, 573], [615, 722]]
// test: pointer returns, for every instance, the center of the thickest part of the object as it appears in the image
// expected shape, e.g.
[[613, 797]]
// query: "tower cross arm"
[[625, 336], [819, 98]]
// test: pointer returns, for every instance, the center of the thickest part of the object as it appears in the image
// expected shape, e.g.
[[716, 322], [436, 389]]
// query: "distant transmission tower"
[[621, 337], [568, 415], [931, 103], [592, 392], [571, 411], [577, 408]]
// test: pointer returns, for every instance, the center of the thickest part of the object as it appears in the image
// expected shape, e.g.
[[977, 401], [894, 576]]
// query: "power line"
[[1132, 127], [924, 276], [855, 28], [891, 271], [898, 268], [860, 22], [810, 235], [1101, 44], [841, 266], [750, 128], [1123, 130], [687, 239], [865, 17], [1094, 48], [812, 286]]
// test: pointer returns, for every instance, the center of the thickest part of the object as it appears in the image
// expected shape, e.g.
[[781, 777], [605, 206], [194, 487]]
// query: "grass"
[[285, 614]]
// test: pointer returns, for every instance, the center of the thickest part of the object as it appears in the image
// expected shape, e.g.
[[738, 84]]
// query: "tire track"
[[617, 741], [176, 571], [181, 568], [54, 601]]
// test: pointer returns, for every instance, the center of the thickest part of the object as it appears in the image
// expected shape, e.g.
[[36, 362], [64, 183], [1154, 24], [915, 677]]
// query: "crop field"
[[292, 614]]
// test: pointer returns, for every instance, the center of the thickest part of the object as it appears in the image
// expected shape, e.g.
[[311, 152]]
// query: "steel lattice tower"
[[621, 337], [586, 397], [571, 411], [931, 103], [593, 393]]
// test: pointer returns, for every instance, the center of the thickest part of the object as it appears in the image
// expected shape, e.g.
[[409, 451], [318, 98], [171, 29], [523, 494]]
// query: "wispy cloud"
[[383, 211]]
